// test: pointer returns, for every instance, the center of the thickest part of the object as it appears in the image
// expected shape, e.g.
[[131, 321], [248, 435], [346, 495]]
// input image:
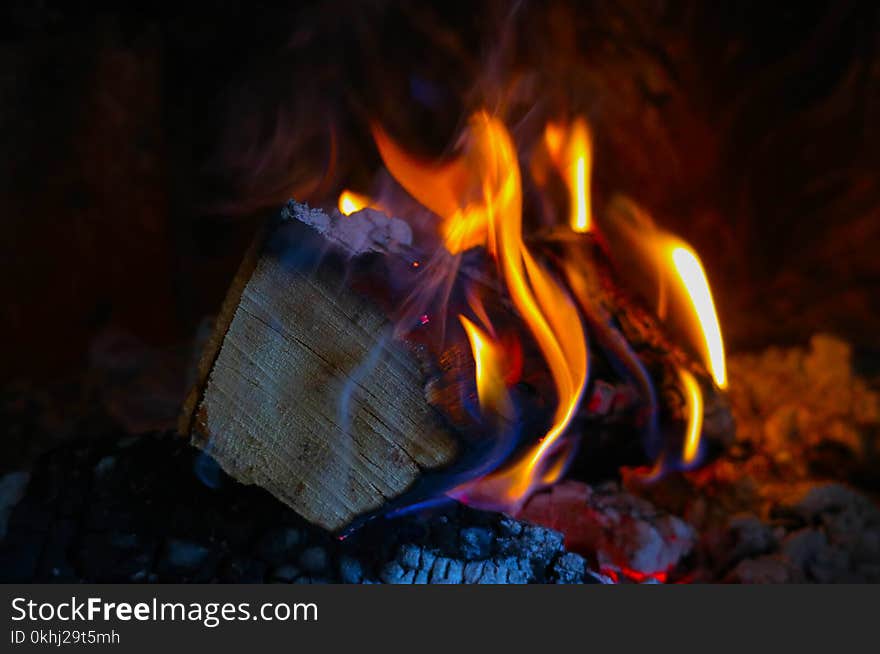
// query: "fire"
[[692, 276], [490, 370], [478, 198], [452, 191], [694, 399], [349, 202], [571, 150], [662, 266]]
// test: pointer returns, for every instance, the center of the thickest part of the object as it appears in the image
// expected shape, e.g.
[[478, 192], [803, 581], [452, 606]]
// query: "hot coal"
[[765, 511], [618, 530]]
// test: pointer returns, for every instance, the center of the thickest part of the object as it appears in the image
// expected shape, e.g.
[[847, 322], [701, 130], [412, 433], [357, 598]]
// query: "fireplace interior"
[[487, 292]]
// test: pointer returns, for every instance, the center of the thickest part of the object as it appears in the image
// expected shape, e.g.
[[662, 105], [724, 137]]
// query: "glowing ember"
[[694, 399], [690, 272], [635, 576], [349, 202], [571, 151]]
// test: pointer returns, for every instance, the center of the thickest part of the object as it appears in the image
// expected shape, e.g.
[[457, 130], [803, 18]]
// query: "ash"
[[795, 498]]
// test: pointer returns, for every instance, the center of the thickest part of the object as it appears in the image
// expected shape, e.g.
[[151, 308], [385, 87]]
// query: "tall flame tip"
[[693, 277]]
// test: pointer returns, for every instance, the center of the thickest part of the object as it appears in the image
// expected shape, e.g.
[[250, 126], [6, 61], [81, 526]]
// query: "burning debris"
[[775, 507], [624, 535], [498, 424]]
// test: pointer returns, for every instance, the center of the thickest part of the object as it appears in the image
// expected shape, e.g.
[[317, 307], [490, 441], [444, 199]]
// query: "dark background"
[[142, 144]]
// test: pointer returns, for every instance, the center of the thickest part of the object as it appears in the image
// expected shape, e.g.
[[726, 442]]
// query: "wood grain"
[[305, 394]]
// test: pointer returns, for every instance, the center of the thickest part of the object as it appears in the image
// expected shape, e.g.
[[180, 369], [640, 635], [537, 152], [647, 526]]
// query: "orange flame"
[[490, 370], [478, 197], [349, 202], [674, 272], [451, 190], [693, 278], [571, 150], [683, 298], [694, 399]]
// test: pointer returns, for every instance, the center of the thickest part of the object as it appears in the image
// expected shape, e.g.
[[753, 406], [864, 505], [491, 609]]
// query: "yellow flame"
[[655, 262], [690, 271], [571, 150], [451, 190], [694, 401], [478, 198], [349, 202], [489, 363]]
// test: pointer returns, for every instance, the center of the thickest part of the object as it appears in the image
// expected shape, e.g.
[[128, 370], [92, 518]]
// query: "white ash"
[[832, 536], [363, 231], [788, 402]]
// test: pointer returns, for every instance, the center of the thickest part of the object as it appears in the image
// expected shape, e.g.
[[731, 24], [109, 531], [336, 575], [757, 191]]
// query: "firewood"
[[632, 340], [307, 390], [302, 390]]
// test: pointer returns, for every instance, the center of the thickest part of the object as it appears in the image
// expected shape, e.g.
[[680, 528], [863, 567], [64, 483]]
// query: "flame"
[[490, 370], [478, 198], [659, 264], [690, 271], [451, 190], [571, 150], [349, 202], [694, 400]]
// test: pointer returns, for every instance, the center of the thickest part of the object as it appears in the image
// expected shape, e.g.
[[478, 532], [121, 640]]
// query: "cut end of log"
[[303, 391]]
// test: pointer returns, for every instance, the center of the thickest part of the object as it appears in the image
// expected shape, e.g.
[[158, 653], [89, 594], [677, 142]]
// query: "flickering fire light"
[[571, 151], [693, 278], [694, 399], [488, 359], [477, 197], [350, 202]]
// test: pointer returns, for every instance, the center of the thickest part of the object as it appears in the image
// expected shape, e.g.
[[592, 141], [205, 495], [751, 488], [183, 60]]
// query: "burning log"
[[637, 348], [305, 391], [302, 390], [321, 387]]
